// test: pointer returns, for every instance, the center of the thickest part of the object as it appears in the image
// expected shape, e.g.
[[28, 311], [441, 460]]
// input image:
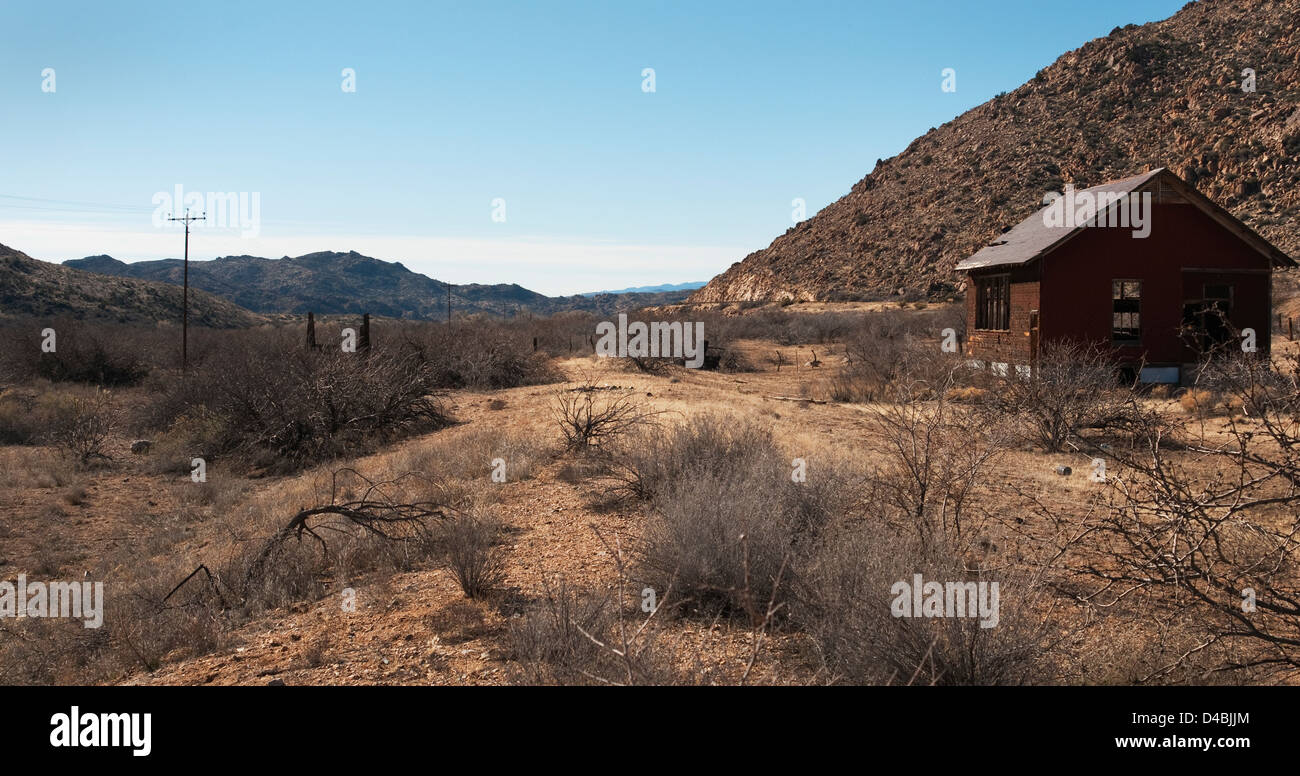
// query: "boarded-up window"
[[993, 302], [1126, 311]]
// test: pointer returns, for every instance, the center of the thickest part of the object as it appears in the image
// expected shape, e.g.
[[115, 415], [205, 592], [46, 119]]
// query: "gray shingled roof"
[[1031, 238]]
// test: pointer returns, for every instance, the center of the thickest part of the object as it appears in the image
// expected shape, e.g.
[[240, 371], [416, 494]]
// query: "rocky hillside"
[[1165, 94], [350, 283], [31, 288]]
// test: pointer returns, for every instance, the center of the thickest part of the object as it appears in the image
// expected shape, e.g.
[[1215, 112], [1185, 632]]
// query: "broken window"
[[1126, 311]]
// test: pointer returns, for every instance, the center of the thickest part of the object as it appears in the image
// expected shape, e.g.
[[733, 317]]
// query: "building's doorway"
[[1207, 322]]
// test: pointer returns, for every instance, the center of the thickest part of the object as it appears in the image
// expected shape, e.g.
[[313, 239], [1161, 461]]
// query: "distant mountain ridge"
[[661, 288], [323, 282], [329, 282], [39, 289]]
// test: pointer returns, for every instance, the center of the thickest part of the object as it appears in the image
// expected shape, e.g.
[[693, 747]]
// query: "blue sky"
[[457, 105]]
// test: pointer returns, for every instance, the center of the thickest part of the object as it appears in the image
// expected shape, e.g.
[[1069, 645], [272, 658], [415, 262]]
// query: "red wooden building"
[[1146, 265]]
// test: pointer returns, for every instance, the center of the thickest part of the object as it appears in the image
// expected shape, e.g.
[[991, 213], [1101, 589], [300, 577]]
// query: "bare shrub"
[[95, 353], [645, 462], [1210, 527], [197, 433], [789, 328], [69, 417], [727, 521], [360, 524], [314, 653], [547, 642], [602, 638], [46, 651], [733, 361], [884, 352], [847, 600], [1072, 387], [149, 628], [83, 426], [927, 510], [933, 456], [481, 353], [472, 554], [20, 421], [262, 396], [589, 418]]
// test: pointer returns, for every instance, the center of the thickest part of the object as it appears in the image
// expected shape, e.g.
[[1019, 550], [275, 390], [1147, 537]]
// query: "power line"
[[79, 203]]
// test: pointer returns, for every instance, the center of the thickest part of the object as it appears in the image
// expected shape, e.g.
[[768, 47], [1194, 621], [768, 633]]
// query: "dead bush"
[[19, 422], [589, 417], [727, 521], [482, 353], [849, 603], [314, 652], [1212, 538], [548, 643], [605, 638], [149, 629], [932, 458], [264, 397], [197, 433], [647, 461], [733, 361], [469, 544], [82, 426], [94, 353], [1072, 387], [361, 524], [926, 510], [886, 351]]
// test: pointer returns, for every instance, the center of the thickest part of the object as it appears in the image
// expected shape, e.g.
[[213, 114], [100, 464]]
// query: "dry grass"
[[1203, 403], [718, 467]]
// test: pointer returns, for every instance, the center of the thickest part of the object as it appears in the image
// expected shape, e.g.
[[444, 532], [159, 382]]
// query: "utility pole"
[[185, 298], [448, 305]]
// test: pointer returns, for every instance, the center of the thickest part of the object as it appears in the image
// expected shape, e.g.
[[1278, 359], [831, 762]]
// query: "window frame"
[[1118, 334], [992, 310]]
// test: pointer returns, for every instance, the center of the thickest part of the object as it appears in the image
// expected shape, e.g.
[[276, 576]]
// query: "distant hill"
[[31, 288], [665, 287], [325, 282], [1165, 94], [331, 283]]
